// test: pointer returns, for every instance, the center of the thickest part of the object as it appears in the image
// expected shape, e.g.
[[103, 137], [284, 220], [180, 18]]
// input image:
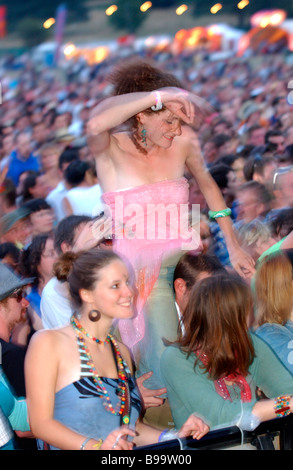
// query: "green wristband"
[[220, 214]]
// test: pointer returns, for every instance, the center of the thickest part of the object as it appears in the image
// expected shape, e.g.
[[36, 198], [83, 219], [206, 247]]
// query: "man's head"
[[254, 201], [191, 268], [23, 145], [67, 232], [275, 142], [41, 216], [12, 300], [256, 135], [15, 227], [283, 186]]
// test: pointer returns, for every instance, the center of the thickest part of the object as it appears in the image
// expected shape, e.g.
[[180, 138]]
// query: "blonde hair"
[[254, 232], [274, 289]]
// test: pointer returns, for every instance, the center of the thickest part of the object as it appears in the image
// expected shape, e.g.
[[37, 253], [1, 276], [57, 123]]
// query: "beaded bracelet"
[[159, 103], [219, 214], [282, 406]]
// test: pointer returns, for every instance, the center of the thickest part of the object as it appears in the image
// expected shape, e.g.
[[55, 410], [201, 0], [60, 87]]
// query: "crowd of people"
[[144, 336]]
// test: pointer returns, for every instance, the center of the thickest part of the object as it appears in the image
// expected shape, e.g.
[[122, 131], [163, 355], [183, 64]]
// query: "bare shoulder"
[[48, 339], [189, 135]]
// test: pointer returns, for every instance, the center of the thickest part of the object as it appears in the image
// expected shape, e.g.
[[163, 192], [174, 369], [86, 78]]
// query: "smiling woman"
[[86, 361]]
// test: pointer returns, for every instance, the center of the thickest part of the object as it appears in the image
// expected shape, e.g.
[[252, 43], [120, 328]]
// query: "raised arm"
[[116, 110], [240, 260]]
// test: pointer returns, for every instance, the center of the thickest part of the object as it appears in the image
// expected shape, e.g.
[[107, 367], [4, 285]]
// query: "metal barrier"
[[276, 434]]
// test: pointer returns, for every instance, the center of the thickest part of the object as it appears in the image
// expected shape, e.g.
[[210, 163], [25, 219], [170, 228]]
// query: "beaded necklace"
[[122, 377], [77, 325]]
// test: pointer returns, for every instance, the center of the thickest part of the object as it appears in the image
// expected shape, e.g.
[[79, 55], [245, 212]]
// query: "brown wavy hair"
[[134, 76], [274, 289], [215, 322]]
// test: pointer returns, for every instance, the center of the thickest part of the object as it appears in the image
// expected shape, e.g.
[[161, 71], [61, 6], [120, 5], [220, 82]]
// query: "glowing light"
[[110, 10], [268, 17], [264, 23], [243, 4], [180, 10], [145, 6], [69, 49], [214, 29], [150, 41], [181, 34], [48, 23], [276, 18], [215, 8], [101, 53]]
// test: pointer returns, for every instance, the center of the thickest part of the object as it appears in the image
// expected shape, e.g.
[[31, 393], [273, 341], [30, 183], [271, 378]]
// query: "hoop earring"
[[94, 315], [143, 136]]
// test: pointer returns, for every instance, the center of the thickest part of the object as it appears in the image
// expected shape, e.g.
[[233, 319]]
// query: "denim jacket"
[[280, 340]]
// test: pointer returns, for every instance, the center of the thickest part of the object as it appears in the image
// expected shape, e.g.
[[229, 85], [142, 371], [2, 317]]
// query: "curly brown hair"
[[135, 76]]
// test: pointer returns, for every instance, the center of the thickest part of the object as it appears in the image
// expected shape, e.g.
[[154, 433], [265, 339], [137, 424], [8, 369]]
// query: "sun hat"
[[9, 219], [9, 281]]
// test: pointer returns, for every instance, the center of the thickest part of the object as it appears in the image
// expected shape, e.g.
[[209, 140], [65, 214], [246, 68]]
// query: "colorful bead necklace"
[[76, 324], [122, 376]]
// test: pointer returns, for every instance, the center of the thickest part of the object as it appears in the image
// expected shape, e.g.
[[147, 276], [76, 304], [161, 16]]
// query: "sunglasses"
[[18, 294]]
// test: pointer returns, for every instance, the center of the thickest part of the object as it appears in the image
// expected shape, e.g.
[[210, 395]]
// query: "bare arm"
[[116, 110], [111, 113], [241, 261], [193, 426], [265, 410], [41, 386]]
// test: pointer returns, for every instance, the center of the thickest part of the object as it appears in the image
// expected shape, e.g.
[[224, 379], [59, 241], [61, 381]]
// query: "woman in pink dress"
[[143, 138]]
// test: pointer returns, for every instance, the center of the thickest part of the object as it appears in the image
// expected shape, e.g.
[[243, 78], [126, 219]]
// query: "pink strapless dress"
[[147, 227]]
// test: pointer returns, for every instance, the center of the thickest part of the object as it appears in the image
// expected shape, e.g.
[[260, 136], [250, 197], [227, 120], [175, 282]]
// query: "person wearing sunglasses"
[[13, 303], [12, 306]]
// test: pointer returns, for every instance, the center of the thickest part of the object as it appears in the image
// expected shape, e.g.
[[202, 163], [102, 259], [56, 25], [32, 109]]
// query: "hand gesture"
[[189, 107], [241, 261], [117, 440], [150, 397], [195, 427], [92, 233]]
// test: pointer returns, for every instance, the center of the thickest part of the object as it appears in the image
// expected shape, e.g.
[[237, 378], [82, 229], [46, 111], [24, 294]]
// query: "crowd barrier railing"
[[276, 434]]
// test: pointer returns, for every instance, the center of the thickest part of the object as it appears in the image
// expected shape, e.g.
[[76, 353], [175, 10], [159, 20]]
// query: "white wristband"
[[82, 447], [159, 103]]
